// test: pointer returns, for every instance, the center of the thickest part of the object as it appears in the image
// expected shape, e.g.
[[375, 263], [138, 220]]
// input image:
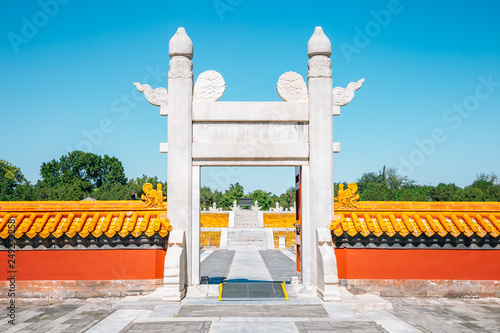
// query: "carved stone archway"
[[204, 132]]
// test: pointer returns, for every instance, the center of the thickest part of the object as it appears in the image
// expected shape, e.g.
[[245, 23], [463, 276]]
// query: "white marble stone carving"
[[157, 96], [342, 96], [209, 87], [181, 51], [278, 208], [256, 206], [291, 87], [214, 208], [319, 67], [180, 67], [319, 49], [319, 44], [180, 44]]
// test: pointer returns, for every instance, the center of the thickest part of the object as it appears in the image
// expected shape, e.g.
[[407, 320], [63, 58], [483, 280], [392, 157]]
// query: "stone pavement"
[[303, 312], [307, 314]]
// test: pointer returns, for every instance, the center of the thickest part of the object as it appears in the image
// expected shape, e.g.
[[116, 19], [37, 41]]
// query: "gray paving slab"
[[389, 322], [449, 315], [116, 321], [408, 315], [39, 315], [216, 266], [325, 326], [268, 310], [342, 312], [177, 327], [252, 326], [166, 310], [280, 266]]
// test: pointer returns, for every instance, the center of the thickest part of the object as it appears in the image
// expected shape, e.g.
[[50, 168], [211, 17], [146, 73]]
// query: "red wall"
[[120, 264], [418, 264], [135, 264]]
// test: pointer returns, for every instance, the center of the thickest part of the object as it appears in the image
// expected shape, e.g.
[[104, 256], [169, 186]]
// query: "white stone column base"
[[172, 294], [326, 263], [330, 293], [175, 273]]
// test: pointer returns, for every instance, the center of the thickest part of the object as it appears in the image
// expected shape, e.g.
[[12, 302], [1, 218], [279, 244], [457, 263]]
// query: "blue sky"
[[429, 105]]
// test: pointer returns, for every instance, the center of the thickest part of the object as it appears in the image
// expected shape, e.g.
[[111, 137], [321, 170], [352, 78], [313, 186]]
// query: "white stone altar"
[[296, 132]]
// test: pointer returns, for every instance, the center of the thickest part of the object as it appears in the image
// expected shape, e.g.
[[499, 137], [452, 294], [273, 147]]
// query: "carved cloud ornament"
[[342, 96], [157, 97], [209, 87], [291, 87]]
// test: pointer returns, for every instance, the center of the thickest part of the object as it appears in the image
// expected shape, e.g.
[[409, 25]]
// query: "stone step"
[[246, 219], [246, 238]]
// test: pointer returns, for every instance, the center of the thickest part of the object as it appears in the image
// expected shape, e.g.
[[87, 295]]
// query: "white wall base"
[[270, 238]]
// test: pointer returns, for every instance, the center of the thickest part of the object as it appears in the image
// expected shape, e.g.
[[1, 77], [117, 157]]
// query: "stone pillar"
[[179, 176], [195, 241], [319, 78]]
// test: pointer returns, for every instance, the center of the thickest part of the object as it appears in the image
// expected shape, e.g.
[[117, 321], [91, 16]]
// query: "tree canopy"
[[88, 168], [11, 179], [78, 175]]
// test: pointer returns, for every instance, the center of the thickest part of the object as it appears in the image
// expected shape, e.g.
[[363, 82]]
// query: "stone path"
[[304, 315], [248, 266], [304, 312], [279, 265], [216, 265]]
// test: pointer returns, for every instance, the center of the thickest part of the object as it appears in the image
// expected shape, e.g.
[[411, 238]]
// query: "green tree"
[[207, 197], [287, 199], [446, 192], [76, 190], [263, 198], [234, 192], [383, 185], [11, 178], [422, 192], [484, 188], [113, 190], [86, 167]]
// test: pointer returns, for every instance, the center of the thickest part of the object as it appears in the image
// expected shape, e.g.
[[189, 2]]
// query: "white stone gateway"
[[296, 132]]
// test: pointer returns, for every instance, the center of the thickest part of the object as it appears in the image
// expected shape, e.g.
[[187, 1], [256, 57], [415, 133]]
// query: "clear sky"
[[430, 103]]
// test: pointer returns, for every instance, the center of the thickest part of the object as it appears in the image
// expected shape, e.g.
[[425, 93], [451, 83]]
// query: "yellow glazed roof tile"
[[58, 218], [418, 219]]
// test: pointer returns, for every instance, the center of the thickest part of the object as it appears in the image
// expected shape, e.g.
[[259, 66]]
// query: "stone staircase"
[[246, 219], [246, 233], [246, 238]]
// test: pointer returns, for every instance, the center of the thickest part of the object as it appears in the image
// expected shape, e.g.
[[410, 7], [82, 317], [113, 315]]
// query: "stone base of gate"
[[175, 272], [326, 263]]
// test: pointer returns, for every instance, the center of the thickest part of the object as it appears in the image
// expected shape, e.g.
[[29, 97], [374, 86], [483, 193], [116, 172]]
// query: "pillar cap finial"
[[180, 44], [319, 44]]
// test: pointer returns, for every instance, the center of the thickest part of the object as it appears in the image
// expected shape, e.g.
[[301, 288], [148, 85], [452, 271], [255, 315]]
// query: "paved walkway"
[[304, 312], [248, 266], [109, 315]]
